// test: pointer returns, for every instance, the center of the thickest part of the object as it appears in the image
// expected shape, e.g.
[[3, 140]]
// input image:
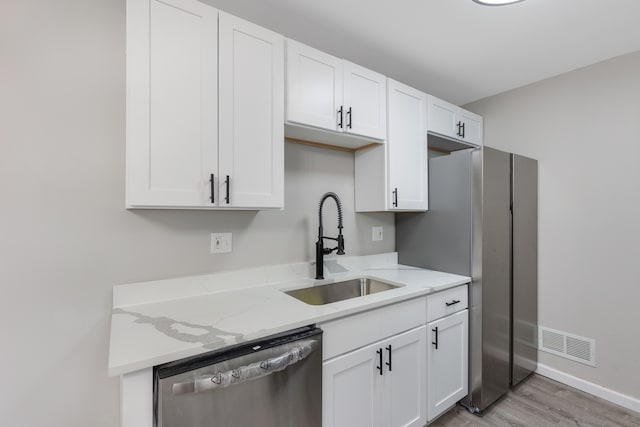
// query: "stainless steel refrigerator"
[[482, 222]]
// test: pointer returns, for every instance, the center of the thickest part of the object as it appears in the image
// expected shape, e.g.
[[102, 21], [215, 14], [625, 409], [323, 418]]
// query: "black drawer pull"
[[389, 362], [436, 341], [454, 302], [379, 367], [211, 180], [226, 183], [340, 113]]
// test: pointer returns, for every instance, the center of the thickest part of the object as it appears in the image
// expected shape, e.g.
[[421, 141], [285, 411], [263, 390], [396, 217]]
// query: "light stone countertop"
[[161, 321]]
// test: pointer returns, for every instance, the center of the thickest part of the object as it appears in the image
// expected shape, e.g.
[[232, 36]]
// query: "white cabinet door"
[[350, 389], [454, 122], [393, 176], [382, 385], [443, 117], [447, 362], [365, 106], [472, 127], [314, 86], [326, 93], [251, 66], [407, 148], [405, 380], [172, 134]]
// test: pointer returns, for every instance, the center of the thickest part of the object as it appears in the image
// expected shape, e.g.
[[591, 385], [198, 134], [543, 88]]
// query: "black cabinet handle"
[[212, 180], [459, 125], [379, 367], [454, 302], [436, 341], [340, 111], [349, 118], [226, 183], [463, 129], [395, 197], [389, 362]]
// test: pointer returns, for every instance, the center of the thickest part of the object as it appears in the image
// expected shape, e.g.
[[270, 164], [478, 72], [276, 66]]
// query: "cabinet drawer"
[[348, 333], [446, 302]]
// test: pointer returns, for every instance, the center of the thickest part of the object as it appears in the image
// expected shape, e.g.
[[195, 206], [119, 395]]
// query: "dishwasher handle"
[[300, 351]]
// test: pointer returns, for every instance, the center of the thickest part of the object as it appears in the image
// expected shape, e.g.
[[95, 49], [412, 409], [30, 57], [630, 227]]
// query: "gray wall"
[[65, 237], [584, 128]]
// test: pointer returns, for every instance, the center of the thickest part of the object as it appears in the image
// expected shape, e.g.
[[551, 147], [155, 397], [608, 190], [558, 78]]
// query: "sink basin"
[[339, 291]]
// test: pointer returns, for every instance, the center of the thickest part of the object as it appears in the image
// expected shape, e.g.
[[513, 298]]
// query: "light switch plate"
[[376, 233], [221, 243]]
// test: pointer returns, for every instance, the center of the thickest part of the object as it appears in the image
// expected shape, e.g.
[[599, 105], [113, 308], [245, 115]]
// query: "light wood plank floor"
[[541, 402]]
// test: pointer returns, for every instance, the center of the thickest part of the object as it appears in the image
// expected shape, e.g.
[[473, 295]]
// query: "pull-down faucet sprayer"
[[321, 251]]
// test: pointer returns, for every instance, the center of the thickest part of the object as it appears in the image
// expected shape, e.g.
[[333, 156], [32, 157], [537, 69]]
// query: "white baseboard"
[[623, 400]]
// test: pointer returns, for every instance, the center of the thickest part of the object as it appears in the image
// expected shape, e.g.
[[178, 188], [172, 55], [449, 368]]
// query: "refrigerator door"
[[490, 293], [525, 267], [440, 239]]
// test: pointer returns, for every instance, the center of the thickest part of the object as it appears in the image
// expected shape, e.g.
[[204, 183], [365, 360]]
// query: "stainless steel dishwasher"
[[272, 382]]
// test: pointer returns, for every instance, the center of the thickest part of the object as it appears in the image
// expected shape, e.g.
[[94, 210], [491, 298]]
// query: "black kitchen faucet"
[[321, 251]]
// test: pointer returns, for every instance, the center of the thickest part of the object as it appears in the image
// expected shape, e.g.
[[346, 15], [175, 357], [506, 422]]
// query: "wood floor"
[[541, 402]]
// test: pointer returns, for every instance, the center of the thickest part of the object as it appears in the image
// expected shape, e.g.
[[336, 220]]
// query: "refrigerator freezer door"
[[491, 293], [525, 267]]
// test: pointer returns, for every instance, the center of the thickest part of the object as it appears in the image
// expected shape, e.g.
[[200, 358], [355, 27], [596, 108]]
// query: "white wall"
[[65, 237], [584, 128]]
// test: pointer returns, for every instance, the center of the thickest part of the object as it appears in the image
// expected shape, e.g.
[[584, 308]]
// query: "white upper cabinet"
[[471, 127], [365, 102], [172, 102], [251, 146], [452, 121], [327, 93], [314, 86], [407, 146], [443, 117], [393, 176], [189, 146]]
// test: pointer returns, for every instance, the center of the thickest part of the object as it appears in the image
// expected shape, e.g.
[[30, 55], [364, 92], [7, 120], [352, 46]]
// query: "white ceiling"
[[455, 49]]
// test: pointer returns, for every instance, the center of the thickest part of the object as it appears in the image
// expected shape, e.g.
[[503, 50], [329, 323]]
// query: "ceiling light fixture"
[[496, 2]]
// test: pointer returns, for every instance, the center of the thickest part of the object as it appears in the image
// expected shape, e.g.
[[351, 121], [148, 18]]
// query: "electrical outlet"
[[221, 243], [376, 233]]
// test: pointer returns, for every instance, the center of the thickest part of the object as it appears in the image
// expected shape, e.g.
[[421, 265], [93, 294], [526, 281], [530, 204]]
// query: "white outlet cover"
[[377, 233], [221, 243]]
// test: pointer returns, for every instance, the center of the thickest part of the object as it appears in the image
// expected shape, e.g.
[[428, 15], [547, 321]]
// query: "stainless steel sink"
[[339, 291]]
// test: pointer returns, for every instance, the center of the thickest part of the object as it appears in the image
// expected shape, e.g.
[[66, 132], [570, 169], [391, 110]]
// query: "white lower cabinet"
[[447, 362], [382, 384]]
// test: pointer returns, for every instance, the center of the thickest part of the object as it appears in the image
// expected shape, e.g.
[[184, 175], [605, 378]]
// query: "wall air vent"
[[566, 345]]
